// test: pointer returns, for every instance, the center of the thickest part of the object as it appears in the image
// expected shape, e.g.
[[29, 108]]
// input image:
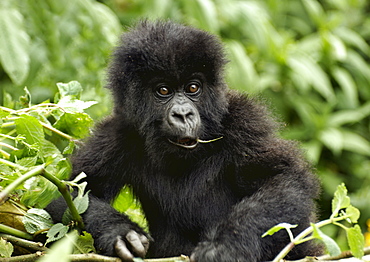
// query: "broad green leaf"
[[84, 243], [30, 128], [36, 220], [277, 228], [124, 200], [359, 64], [81, 203], [6, 248], [352, 38], [207, 14], [109, 22], [356, 241], [241, 72], [69, 149], [315, 10], [14, 44], [74, 124], [310, 72], [348, 85], [56, 232], [330, 244], [338, 49], [27, 161], [332, 138], [72, 88], [349, 116], [74, 105], [355, 143], [354, 213], [340, 200], [61, 250]]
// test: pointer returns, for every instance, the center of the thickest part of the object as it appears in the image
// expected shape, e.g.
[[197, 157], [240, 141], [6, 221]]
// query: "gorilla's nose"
[[183, 116]]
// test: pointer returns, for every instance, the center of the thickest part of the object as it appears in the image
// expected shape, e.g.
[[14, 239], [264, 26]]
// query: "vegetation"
[[308, 58]]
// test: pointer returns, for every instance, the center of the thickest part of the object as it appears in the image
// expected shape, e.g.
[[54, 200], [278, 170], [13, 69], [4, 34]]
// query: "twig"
[[23, 258], [93, 258], [300, 237], [37, 246], [67, 197], [33, 172], [15, 232], [13, 165], [345, 254]]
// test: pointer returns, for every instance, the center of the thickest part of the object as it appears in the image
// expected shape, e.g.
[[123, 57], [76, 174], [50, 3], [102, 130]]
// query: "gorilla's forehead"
[[172, 49]]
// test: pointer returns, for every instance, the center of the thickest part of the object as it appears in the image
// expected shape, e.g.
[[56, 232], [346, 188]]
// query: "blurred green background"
[[309, 59]]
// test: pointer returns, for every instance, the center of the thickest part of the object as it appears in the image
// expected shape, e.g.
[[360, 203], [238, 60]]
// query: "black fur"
[[214, 201]]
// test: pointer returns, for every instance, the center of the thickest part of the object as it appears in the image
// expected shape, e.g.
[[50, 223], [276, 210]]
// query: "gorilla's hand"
[[125, 240], [133, 243]]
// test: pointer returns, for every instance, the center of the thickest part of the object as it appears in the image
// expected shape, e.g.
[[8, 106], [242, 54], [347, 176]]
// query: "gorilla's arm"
[[285, 195], [102, 158]]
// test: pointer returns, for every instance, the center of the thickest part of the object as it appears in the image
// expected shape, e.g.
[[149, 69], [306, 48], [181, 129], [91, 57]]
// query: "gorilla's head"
[[167, 80]]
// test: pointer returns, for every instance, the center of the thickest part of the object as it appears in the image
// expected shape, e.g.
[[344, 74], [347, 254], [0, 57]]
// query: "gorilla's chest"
[[188, 198]]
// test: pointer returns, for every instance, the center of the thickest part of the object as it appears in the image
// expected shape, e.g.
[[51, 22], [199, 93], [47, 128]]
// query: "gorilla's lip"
[[186, 142]]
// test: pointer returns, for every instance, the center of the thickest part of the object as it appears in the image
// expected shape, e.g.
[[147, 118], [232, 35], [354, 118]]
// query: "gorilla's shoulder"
[[248, 122]]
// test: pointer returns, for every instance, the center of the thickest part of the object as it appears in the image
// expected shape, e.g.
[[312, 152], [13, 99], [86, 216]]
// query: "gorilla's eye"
[[164, 91], [193, 88]]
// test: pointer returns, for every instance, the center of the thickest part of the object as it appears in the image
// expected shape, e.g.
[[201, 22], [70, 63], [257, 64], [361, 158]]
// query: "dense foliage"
[[308, 58]]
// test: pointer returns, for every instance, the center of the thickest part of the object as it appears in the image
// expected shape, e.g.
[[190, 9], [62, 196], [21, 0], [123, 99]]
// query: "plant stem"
[[67, 197], [24, 243], [300, 237], [11, 164], [24, 258], [14, 232], [33, 172], [57, 131]]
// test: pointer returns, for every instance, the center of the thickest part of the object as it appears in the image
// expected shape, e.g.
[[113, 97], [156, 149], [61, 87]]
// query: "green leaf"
[[30, 128], [241, 71], [72, 88], [356, 241], [6, 248], [14, 44], [332, 138], [315, 10], [330, 244], [354, 213], [69, 149], [348, 85], [84, 244], [27, 161], [56, 232], [75, 105], [355, 143], [74, 124], [340, 200], [277, 228], [36, 220], [349, 116], [311, 73], [81, 203], [61, 250]]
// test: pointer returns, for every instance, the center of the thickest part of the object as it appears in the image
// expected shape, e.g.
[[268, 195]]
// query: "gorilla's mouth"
[[186, 142]]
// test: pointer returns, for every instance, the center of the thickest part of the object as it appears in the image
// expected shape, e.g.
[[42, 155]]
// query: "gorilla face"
[[181, 116], [169, 84]]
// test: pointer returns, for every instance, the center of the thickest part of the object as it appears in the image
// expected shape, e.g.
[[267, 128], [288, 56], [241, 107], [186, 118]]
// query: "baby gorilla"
[[205, 162]]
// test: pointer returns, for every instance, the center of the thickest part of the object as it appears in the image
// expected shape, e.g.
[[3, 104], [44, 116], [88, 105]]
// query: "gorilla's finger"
[[137, 243], [145, 241], [122, 250]]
